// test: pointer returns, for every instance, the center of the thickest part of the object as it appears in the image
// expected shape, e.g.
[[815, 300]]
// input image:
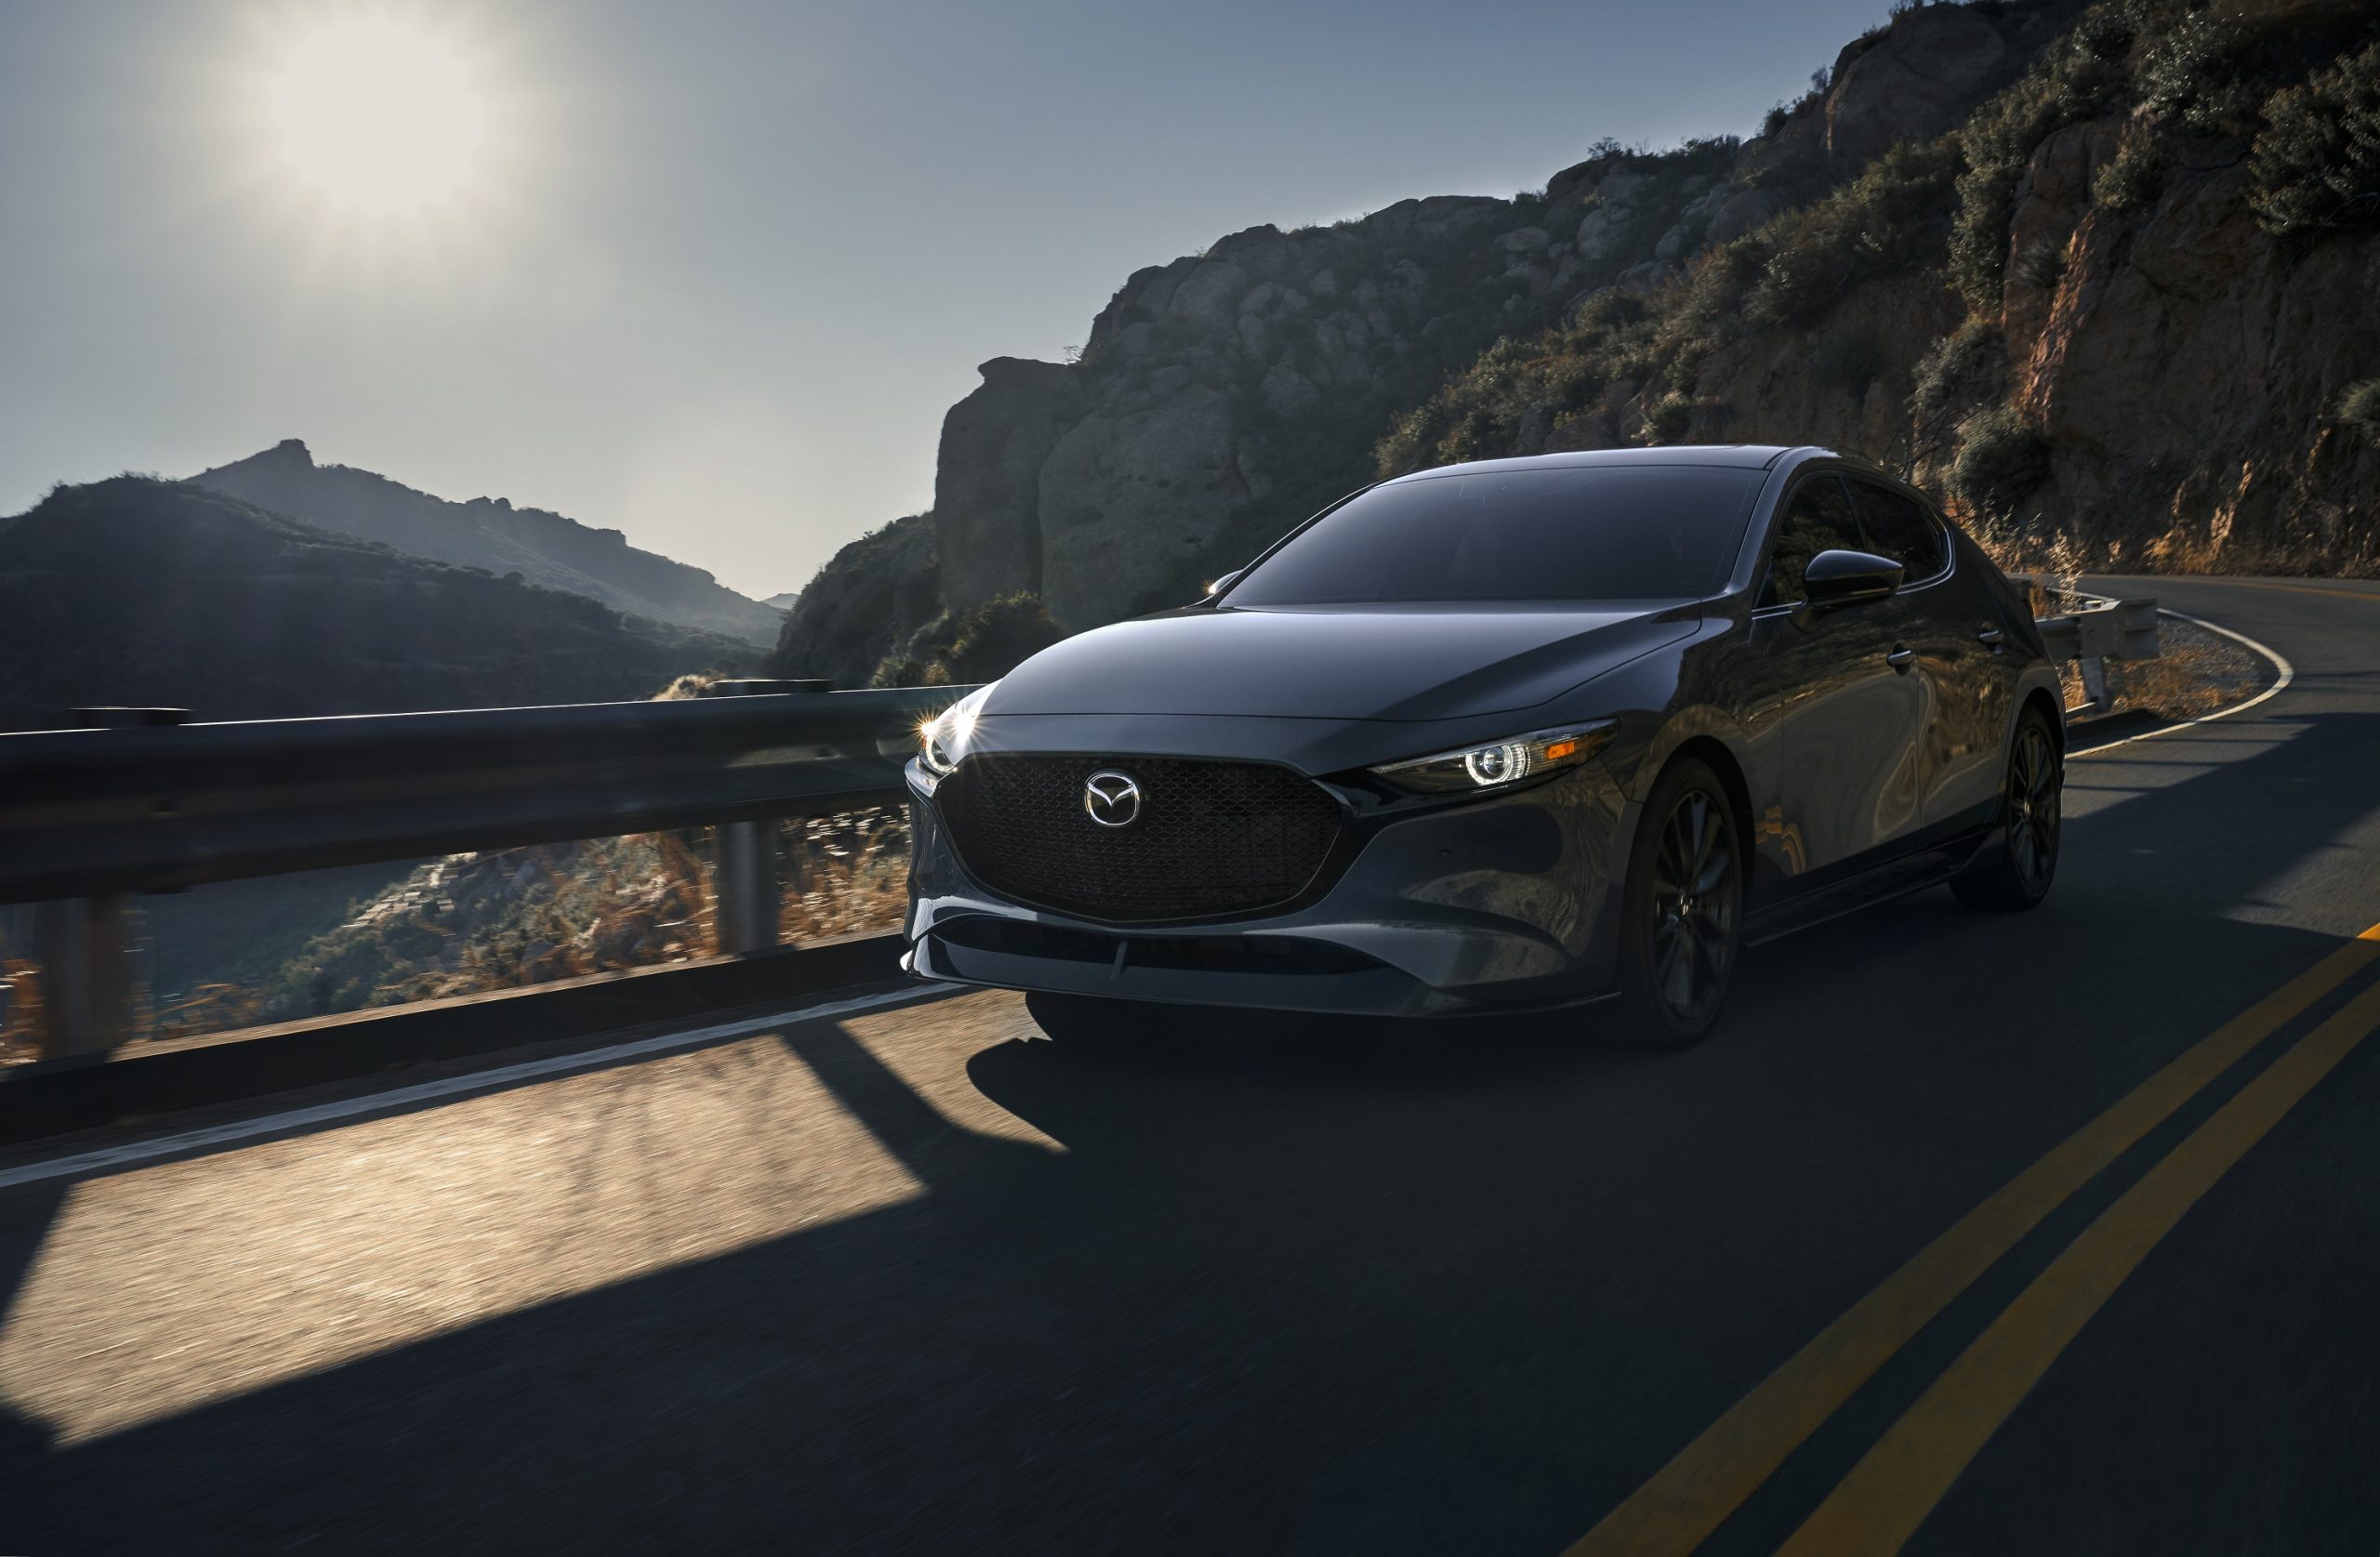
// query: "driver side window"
[[1818, 517]]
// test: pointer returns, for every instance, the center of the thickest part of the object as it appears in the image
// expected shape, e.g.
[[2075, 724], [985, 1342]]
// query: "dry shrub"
[[21, 1014], [845, 875], [2195, 673]]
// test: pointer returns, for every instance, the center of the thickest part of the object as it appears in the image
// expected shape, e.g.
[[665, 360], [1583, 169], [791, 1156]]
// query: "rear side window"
[[1818, 517], [1903, 530]]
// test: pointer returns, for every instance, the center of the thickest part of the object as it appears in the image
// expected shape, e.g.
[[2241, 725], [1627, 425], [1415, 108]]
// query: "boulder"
[[1600, 231], [1287, 391], [1741, 213], [1912, 83], [1621, 189], [1208, 296], [1646, 277]]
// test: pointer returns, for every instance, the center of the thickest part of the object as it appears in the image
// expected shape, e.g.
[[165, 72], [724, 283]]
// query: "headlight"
[[943, 739], [1499, 764]]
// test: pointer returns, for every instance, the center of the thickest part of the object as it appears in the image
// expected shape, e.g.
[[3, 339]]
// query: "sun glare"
[[377, 115]]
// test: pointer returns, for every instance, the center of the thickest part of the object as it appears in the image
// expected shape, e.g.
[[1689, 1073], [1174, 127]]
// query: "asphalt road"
[[2054, 1233]]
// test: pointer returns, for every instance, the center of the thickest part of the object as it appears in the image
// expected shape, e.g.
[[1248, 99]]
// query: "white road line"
[[111, 1158], [2288, 674]]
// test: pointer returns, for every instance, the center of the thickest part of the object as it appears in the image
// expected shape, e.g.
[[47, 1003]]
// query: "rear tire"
[[2016, 870], [1682, 909]]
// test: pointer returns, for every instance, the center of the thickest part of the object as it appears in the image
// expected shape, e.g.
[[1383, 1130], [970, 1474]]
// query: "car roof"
[[1739, 456]]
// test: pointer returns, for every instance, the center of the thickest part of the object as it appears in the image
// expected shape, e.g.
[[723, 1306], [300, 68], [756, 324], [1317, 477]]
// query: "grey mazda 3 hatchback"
[[1508, 735]]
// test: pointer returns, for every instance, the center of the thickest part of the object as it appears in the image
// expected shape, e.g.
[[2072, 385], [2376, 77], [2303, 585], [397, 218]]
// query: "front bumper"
[[1499, 902]]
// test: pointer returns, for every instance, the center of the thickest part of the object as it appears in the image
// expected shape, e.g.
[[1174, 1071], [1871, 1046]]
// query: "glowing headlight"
[[933, 748], [1500, 763], [943, 739]]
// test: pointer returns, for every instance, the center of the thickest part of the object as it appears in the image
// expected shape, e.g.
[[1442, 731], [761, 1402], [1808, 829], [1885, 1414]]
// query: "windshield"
[[1607, 533]]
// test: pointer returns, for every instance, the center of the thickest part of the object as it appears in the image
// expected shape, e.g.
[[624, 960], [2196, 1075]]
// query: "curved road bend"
[[2050, 1233]]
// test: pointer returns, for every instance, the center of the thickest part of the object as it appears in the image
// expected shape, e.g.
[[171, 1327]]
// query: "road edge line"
[[2288, 673], [130, 1153]]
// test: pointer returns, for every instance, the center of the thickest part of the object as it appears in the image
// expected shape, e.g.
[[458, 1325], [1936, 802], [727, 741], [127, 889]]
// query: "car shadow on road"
[[1456, 1294], [26, 1216]]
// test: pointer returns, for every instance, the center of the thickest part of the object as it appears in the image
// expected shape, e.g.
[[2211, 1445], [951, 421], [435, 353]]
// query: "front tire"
[[1682, 909], [2018, 872]]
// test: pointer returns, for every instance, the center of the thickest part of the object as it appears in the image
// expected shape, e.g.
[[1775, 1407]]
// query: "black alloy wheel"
[[1685, 909], [2017, 873]]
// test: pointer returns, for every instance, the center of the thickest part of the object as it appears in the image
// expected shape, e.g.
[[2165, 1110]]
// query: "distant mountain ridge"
[[544, 548], [140, 591]]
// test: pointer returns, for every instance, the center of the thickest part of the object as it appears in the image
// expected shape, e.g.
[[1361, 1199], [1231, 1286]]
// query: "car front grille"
[[1211, 839]]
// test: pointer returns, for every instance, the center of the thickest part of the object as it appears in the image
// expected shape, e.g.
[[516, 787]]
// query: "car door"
[[1850, 714], [1959, 673]]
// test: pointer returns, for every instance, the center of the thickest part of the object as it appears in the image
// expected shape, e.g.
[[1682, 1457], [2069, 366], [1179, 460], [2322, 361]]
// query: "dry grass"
[[844, 874], [21, 1011], [2195, 673], [510, 919]]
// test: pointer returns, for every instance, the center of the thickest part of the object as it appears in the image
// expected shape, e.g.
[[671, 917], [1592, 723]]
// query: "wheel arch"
[[2050, 708], [1714, 754]]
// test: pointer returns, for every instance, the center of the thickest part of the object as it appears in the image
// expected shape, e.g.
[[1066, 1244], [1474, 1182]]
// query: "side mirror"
[[1835, 578], [1225, 582]]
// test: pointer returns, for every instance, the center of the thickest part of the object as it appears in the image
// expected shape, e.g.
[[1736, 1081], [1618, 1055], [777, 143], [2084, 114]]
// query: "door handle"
[[1900, 657], [1991, 636]]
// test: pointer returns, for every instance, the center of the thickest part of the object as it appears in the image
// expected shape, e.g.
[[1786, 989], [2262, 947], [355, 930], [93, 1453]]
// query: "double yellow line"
[[1880, 1504]]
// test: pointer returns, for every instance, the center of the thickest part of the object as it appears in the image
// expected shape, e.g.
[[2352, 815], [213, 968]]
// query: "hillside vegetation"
[[142, 591], [2098, 275]]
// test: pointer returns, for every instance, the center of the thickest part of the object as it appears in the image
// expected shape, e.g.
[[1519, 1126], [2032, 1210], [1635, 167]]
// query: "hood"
[[1374, 662]]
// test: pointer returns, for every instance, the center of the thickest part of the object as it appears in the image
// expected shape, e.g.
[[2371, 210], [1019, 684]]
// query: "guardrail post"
[[2095, 683], [745, 878], [91, 992], [93, 997]]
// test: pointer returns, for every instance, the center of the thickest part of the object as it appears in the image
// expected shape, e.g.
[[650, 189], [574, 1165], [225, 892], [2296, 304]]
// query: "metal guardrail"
[[2100, 630], [90, 815]]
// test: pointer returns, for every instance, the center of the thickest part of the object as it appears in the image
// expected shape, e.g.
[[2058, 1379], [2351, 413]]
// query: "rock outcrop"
[[1913, 81], [2039, 211]]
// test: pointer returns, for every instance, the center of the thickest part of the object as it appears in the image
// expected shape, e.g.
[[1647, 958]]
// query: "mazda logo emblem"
[[1111, 798]]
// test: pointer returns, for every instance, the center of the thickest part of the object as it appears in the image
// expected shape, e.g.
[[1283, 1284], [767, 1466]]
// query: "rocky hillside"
[[544, 548], [2101, 270], [147, 592]]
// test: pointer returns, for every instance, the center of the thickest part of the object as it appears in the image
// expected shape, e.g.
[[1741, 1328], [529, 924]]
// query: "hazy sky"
[[711, 272]]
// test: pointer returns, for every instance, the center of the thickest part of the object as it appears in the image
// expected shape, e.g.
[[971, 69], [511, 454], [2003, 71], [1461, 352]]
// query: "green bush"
[[2001, 461], [2041, 264], [2360, 404], [999, 634], [1964, 369], [2317, 165], [1892, 217], [2079, 76], [1667, 420], [2138, 174], [1957, 367], [2195, 67]]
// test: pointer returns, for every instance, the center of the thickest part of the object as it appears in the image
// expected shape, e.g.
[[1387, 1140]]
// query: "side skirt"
[[1911, 873]]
